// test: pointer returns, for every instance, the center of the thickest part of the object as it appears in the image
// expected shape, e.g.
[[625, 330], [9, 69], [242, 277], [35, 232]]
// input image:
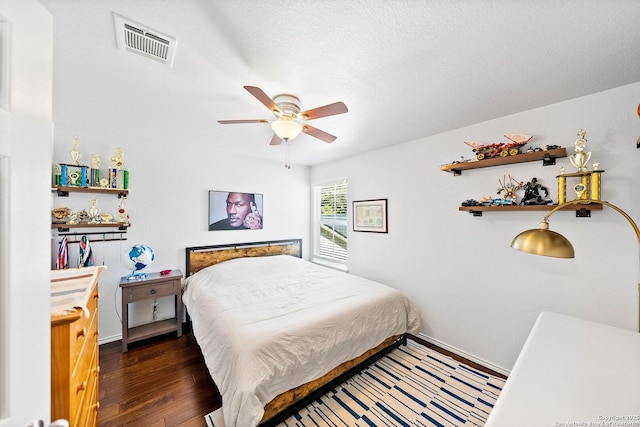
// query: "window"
[[330, 225]]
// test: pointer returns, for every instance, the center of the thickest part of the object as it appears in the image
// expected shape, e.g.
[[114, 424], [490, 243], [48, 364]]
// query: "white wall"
[[26, 146], [168, 205], [474, 292]]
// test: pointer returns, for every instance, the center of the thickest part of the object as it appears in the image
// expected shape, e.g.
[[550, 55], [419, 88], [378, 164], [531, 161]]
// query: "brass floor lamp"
[[542, 241]]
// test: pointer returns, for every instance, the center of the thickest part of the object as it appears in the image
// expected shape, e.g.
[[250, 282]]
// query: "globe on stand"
[[137, 258]]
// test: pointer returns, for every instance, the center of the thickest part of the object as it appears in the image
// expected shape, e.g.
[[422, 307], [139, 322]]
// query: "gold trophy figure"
[[580, 158], [94, 212], [75, 154]]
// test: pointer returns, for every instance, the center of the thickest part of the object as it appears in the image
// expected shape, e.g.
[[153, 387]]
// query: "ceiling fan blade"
[[276, 140], [263, 97], [324, 111], [233, 122], [317, 133]]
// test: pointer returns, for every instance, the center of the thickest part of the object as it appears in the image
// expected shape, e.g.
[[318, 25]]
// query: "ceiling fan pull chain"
[[287, 155]]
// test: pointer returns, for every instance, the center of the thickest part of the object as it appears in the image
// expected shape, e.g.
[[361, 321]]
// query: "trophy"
[[94, 212], [580, 158], [75, 154]]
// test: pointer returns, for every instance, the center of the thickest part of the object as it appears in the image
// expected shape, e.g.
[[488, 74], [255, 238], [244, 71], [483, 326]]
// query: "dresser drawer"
[[82, 331], [87, 398], [82, 361], [153, 290], [83, 381]]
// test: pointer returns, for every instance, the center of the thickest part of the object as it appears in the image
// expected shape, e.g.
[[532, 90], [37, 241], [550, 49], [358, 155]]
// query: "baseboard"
[[464, 354], [107, 340]]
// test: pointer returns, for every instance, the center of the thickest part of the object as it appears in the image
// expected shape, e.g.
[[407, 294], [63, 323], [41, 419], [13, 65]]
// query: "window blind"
[[331, 230]]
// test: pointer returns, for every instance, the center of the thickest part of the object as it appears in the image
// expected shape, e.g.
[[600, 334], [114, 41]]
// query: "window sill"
[[330, 264]]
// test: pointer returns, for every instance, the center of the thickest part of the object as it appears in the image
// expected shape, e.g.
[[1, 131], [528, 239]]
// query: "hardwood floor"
[[158, 382], [164, 382]]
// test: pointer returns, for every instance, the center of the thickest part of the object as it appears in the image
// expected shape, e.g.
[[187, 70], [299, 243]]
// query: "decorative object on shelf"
[[580, 158], [117, 160], [579, 189], [508, 190], [106, 218], [85, 253], [104, 183], [542, 241], [94, 212], [71, 175], [59, 214], [123, 216], [83, 216], [94, 174], [74, 176], [532, 196], [370, 215], [118, 176], [75, 154], [73, 217], [57, 175], [137, 258], [590, 181], [502, 149], [62, 260], [589, 185]]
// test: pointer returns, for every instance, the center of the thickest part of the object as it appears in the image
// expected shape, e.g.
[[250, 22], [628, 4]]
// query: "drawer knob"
[[81, 333], [152, 292], [81, 386]]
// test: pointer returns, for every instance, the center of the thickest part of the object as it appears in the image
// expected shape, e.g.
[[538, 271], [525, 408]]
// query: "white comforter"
[[269, 324]]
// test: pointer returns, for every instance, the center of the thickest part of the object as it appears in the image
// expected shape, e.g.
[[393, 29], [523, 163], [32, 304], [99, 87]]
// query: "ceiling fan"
[[290, 121]]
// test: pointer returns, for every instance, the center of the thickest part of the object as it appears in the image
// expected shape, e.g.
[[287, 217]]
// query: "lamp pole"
[[545, 223]]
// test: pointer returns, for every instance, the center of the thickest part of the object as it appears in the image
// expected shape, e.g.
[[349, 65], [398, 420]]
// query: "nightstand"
[[155, 285]]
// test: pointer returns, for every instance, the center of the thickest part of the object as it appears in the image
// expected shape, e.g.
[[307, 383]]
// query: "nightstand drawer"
[[153, 290]]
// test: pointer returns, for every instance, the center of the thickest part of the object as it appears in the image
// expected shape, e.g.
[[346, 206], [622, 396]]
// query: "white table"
[[572, 372]]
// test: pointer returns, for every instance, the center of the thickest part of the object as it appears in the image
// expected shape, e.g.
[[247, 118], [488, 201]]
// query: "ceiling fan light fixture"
[[286, 129]]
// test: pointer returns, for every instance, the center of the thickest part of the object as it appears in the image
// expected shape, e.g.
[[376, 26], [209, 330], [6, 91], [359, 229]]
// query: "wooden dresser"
[[74, 356]]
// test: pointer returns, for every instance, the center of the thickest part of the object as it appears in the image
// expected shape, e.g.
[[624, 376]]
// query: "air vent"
[[137, 38]]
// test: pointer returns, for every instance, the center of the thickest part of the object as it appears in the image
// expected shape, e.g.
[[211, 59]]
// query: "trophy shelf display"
[[63, 191]]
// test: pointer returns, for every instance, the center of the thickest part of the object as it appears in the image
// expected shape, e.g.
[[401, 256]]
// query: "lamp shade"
[[286, 129], [543, 242]]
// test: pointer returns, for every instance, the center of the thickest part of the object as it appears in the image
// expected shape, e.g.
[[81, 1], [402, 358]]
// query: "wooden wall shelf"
[[581, 210], [64, 191], [548, 157], [66, 226]]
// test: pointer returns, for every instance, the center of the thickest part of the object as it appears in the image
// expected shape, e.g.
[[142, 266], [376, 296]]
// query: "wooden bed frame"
[[199, 257], [287, 403]]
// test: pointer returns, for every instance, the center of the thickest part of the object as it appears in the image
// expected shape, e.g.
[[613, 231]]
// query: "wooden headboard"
[[199, 257]]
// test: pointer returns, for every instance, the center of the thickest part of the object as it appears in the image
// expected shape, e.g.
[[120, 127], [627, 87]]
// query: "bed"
[[273, 327]]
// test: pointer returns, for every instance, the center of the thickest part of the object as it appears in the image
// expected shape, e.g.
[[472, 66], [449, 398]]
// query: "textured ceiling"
[[406, 69]]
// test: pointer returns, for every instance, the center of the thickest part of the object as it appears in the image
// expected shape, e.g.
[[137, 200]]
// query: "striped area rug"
[[411, 386]]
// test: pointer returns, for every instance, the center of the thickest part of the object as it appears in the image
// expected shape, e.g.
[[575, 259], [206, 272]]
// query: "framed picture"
[[234, 210], [370, 215]]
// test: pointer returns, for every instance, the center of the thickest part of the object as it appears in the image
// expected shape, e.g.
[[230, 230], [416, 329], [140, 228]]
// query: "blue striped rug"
[[411, 386]]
